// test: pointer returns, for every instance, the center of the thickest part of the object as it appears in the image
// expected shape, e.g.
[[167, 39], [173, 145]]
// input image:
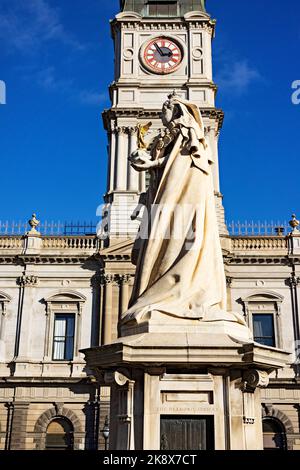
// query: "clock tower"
[[160, 46]]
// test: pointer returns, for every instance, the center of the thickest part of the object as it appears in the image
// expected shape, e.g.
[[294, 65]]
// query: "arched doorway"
[[59, 435], [274, 434]]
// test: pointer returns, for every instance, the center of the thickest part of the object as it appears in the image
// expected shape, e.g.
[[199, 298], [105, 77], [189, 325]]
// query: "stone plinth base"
[[185, 379], [161, 324]]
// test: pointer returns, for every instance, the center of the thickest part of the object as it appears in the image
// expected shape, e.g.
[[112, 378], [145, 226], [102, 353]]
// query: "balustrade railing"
[[253, 228], [73, 242], [10, 243], [49, 228], [259, 243], [53, 228]]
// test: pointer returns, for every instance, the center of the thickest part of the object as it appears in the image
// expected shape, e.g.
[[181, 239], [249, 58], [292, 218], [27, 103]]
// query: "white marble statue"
[[180, 271]]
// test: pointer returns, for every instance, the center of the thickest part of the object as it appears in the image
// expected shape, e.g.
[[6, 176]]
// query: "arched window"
[[59, 435], [274, 434]]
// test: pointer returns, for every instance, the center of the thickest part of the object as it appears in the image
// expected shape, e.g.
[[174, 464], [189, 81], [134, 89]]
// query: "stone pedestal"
[[190, 376], [294, 242]]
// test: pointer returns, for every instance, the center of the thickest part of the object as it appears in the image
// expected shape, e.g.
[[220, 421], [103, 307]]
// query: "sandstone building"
[[61, 294]]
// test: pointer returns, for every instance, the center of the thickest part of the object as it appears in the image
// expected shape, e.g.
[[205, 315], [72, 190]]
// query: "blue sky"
[[56, 58]]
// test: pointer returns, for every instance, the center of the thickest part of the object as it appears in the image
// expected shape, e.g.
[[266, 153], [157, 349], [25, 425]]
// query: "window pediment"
[[265, 296], [4, 297], [262, 310], [65, 300], [65, 297]]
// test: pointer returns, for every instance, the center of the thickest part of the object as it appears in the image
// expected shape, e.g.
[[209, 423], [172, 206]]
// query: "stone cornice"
[[135, 22], [121, 83], [128, 350], [54, 258], [116, 257], [255, 259], [141, 113], [44, 380]]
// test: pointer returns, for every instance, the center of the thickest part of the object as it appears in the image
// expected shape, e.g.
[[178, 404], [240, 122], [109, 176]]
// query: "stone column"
[[279, 327], [237, 441], [122, 411], [27, 284], [121, 159], [112, 161], [151, 412], [18, 426], [221, 411], [108, 309], [78, 328], [213, 139], [3, 307], [130, 286], [207, 47], [228, 288], [123, 281], [97, 297], [253, 380], [47, 340], [293, 282], [132, 175], [9, 406]]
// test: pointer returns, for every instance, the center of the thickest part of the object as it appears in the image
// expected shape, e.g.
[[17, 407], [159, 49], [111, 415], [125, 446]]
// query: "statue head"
[[169, 110], [183, 113]]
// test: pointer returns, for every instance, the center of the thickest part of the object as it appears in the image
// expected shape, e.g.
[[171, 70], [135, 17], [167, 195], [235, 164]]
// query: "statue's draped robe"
[[180, 269]]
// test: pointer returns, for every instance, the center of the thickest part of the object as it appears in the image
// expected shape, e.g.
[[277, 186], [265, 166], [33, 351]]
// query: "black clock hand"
[[159, 49]]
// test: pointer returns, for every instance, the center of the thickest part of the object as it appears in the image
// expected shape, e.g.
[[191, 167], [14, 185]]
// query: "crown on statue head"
[[173, 95]]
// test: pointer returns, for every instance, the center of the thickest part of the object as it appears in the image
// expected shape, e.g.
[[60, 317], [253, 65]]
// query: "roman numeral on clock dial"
[[162, 55]]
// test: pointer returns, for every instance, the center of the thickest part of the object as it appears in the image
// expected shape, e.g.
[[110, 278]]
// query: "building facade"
[[62, 294]]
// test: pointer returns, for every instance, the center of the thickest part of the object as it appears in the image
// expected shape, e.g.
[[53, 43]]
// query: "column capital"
[[116, 378], [121, 129], [123, 278], [254, 378], [132, 131], [110, 278], [27, 280], [293, 281]]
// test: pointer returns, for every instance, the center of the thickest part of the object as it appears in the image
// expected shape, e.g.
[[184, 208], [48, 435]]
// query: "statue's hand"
[[139, 155], [140, 160]]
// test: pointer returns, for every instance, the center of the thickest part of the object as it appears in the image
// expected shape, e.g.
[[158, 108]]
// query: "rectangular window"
[[63, 342], [166, 9], [263, 329]]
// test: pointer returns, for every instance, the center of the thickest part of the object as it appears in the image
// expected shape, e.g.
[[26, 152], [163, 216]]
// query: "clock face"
[[162, 55]]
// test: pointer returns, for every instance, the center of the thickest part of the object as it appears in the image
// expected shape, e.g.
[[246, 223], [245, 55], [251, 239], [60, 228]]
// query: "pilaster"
[[27, 284], [18, 426]]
